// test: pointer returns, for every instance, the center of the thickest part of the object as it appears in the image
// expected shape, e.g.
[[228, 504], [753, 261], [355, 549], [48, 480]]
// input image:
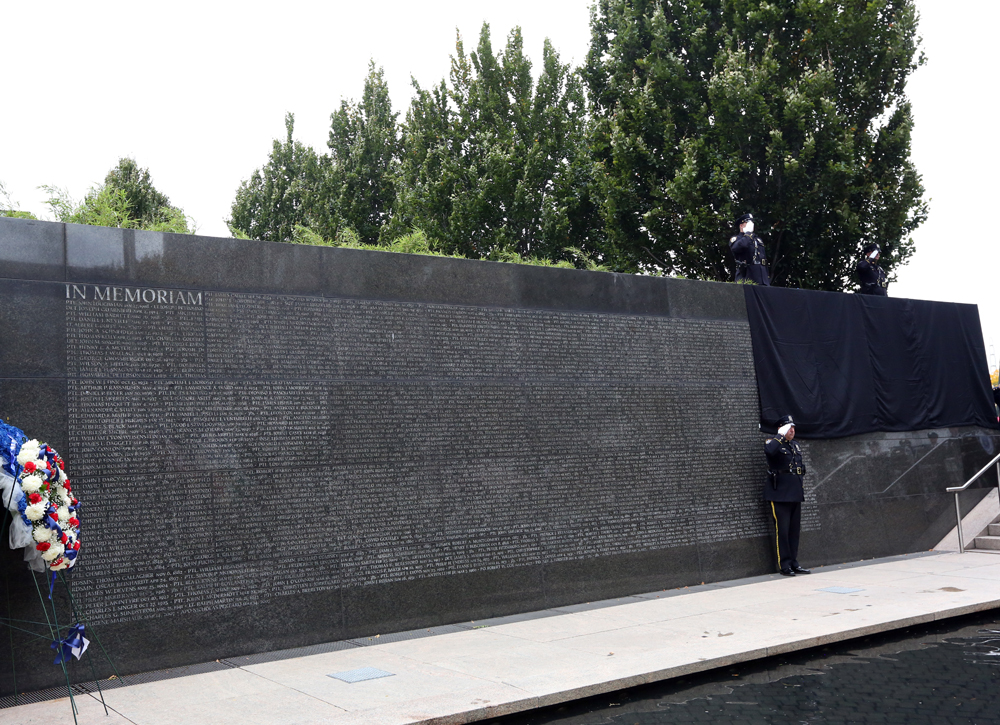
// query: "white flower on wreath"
[[62, 475], [40, 534], [63, 513], [59, 495], [53, 552], [29, 452], [35, 511], [31, 484]]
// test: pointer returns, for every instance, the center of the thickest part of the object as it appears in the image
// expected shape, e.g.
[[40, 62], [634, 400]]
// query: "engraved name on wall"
[[271, 445]]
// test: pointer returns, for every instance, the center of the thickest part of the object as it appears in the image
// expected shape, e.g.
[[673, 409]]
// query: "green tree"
[[147, 205], [126, 199], [791, 109], [358, 190], [280, 196], [495, 164]]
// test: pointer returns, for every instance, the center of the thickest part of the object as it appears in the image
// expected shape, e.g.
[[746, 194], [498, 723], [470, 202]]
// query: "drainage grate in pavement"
[[591, 606], [405, 636], [27, 698], [841, 590], [90, 687], [154, 676], [509, 619], [361, 674], [287, 654]]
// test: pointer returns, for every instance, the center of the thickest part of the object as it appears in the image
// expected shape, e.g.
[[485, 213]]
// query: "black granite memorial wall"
[[280, 445]]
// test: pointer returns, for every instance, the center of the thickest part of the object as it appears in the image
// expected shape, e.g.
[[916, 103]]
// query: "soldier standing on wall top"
[[783, 491], [748, 249], [873, 279]]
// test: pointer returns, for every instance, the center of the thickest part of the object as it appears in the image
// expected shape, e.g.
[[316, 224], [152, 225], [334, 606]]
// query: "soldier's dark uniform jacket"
[[751, 260], [873, 279], [784, 471]]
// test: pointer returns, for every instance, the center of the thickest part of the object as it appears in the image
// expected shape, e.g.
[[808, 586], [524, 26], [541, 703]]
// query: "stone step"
[[987, 542], [993, 530]]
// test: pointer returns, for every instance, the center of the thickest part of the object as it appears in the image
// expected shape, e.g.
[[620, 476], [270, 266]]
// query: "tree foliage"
[[359, 182], [686, 114], [495, 163], [126, 199], [348, 193], [147, 205], [281, 195], [791, 109]]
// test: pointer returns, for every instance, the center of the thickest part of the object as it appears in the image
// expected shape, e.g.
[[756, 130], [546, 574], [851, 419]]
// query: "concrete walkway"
[[504, 666]]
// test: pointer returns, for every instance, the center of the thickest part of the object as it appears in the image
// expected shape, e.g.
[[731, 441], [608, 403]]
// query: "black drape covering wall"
[[844, 364]]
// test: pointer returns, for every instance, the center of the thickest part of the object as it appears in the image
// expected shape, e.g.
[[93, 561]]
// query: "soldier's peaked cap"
[[872, 247], [744, 218], [787, 420]]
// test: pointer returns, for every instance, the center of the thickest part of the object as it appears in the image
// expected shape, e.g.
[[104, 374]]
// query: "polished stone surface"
[[32, 249], [886, 488], [33, 330], [120, 256]]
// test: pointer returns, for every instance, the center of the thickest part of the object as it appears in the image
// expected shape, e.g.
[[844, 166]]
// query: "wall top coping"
[[74, 253]]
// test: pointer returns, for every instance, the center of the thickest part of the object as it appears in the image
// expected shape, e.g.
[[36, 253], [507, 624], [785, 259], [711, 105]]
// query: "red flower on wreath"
[[44, 546], [34, 497], [64, 538], [29, 466], [76, 546], [74, 521]]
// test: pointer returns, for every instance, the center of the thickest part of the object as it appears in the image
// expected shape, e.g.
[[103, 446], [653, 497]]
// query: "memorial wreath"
[[39, 495]]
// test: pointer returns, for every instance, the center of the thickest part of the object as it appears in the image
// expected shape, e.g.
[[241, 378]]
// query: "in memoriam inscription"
[[133, 294], [310, 443]]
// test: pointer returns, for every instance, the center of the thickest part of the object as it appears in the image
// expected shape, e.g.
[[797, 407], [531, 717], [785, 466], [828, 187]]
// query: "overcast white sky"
[[196, 91]]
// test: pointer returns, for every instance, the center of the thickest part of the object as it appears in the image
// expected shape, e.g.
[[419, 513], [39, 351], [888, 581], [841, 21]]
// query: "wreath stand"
[[48, 630]]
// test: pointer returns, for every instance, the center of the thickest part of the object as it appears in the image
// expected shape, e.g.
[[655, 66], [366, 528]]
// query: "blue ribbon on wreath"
[[73, 645], [12, 439], [21, 506]]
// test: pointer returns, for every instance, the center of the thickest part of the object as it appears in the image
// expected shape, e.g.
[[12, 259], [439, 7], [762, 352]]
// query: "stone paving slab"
[[514, 664]]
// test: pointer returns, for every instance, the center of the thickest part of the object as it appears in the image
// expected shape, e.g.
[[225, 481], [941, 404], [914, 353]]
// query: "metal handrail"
[[958, 489]]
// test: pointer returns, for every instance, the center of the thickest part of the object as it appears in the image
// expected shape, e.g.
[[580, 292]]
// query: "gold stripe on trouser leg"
[[777, 543]]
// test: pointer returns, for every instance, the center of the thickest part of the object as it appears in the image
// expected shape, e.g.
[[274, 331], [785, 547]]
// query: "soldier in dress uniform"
[[748, 249], [784, 494], [873, 279]]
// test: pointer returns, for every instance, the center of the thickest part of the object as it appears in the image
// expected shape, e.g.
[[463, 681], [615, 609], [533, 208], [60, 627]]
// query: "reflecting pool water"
[[946, 673]]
